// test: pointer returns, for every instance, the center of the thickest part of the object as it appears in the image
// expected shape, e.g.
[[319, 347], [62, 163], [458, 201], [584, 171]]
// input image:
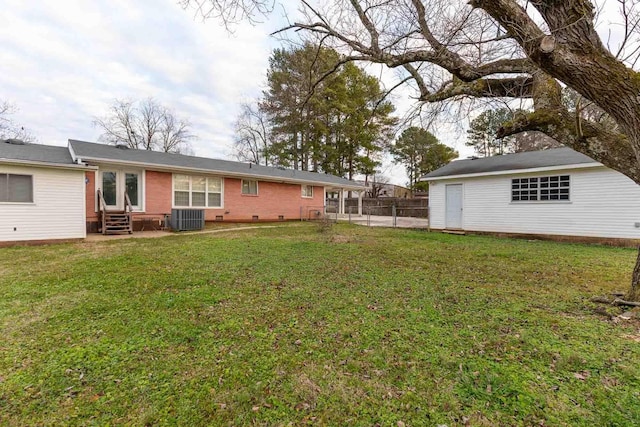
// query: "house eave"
[[20, 162], [168, 168], [514, 171]]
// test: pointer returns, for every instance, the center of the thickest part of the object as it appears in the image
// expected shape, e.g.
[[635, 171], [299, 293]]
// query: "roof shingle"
[[109, 153], [35, 153], [529, 160]]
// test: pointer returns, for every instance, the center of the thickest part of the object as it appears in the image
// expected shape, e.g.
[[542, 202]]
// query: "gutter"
[[20, 162]]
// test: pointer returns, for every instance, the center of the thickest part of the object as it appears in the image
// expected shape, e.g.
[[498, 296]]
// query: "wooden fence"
[[384, 206]]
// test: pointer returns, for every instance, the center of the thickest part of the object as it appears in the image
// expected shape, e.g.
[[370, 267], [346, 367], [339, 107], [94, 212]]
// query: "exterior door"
[[110, 188], [115, 182], [453, 205]]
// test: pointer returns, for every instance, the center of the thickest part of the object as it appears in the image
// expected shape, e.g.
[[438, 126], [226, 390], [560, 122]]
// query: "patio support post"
[[342, 202], [360, 196]]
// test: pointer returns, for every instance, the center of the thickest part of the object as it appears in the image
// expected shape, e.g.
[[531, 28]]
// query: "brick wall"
[[273, 200], [158, 192], [91, 195]]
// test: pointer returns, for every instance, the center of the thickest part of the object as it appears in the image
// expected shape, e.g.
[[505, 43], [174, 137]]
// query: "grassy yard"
[[289, 326]]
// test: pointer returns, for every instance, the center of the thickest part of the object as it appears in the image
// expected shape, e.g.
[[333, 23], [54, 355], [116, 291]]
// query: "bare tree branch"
[[145, 126]]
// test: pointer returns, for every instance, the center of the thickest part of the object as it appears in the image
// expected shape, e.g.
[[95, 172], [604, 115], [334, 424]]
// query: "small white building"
[[557, 192], [42, 193]]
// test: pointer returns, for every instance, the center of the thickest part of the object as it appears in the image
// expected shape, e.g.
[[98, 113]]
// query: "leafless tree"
[[377, 185], [450, 51], [145, 125], [253, 135], [230, 12], [8, 128]]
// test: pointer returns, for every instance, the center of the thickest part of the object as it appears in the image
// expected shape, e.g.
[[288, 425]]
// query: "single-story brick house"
[[155, 183], [555, 193]]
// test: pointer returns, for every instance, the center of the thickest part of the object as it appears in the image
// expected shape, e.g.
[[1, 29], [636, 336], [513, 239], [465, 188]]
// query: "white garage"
[[557, 192]]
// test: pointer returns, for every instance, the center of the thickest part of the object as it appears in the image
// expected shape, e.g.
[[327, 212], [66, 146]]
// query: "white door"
[[110, 188], [115, 182], [454, 206]]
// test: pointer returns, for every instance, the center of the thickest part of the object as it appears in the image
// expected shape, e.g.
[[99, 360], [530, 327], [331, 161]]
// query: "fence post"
[[393, 213]]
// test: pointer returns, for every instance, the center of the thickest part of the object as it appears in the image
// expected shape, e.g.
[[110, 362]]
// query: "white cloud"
[[64, 62]]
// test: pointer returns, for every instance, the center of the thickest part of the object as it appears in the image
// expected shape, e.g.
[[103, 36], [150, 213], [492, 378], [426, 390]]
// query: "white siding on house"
[[437, 208], [604, 203], [57, 211]]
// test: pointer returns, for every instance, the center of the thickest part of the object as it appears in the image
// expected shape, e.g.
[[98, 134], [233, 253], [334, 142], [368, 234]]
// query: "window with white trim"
[[249, 187], [16, 188], [307, 191], [540, 189], [197, 191]]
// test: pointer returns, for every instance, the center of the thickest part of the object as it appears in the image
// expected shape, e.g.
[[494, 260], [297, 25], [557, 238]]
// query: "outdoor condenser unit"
[[187, 219]]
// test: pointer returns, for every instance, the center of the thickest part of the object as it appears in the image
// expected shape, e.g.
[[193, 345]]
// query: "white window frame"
[[206, 192], [242, 187], [33, 196], [305, 191], [536, 185]]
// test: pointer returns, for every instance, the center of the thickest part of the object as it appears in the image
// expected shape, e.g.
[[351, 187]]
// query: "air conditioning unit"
[[187, 219]]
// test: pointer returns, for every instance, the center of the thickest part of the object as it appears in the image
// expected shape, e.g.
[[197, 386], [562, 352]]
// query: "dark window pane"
[[215, 200], [181, 198], [198, 199], [20, 188], [249, 187], [109, 188], [4, 193], [131, 181]]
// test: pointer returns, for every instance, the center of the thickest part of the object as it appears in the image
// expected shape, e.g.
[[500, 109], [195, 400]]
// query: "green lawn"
[[290, 326]]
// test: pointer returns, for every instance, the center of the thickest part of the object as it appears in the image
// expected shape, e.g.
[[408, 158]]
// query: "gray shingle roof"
[[529, 160], [35, 153], [109, 153]]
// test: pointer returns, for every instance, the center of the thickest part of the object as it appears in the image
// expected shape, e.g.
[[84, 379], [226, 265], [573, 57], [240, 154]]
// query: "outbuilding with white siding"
[[557, 192], [42, 193]]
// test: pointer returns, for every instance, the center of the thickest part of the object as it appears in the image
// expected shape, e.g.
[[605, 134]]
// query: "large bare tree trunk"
[[634, 291]]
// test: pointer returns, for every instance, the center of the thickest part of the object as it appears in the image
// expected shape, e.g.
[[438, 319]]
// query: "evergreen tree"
[[483, 130], [420, 152], [323, 118]]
